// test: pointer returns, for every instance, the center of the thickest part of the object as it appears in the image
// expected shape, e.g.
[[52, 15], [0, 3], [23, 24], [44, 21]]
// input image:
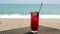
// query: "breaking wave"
[[27, 16]]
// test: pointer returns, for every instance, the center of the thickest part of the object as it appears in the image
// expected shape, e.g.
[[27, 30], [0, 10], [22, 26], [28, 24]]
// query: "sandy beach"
[[13, 23]]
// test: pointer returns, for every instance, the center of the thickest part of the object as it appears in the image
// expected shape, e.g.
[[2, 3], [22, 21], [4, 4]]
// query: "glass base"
[[34, 31]]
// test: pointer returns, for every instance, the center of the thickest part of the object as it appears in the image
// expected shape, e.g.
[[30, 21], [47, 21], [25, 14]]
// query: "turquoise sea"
[[25, 9]]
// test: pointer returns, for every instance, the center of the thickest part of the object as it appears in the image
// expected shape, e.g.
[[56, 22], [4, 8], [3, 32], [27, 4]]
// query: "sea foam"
[[27, 16]]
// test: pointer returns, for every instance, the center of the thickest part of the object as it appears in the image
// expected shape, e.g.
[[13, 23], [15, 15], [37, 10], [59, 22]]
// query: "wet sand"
[[14, 23]]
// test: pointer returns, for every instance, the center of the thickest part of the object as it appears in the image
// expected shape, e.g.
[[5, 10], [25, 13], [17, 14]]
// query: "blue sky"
[[31, 1]]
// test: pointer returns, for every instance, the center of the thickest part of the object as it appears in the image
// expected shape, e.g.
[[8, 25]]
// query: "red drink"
[[34, 21]]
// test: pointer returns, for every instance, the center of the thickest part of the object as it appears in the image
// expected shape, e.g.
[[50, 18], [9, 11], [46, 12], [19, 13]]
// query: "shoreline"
[[28, 16]]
